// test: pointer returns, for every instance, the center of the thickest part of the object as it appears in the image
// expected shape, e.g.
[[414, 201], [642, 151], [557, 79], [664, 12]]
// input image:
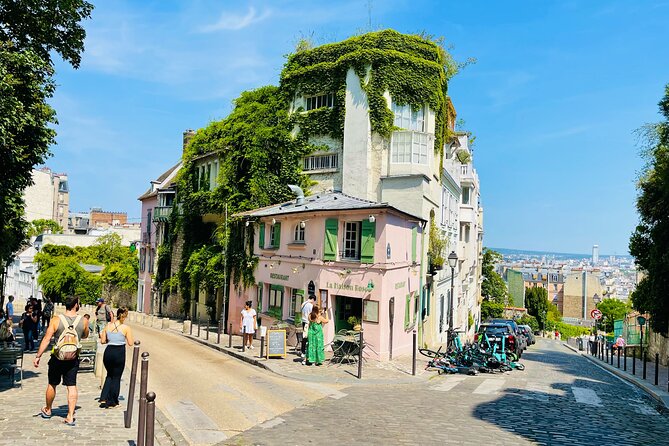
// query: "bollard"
[[243, 339], [191, 326], [618, 357], [141, 424], [633, 362], [612, 355], [413, 363], [218, 329], [199, 322], [645, 358], [131, 389], [625, 358], [206, 334], [150, 418], [362, 346], [230, 336], [657, 368], [607, 355], [262, 346]]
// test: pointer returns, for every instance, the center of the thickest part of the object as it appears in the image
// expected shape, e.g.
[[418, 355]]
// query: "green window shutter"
[[368, 239], [277, 235], [407, 311], [330, 246], [414, 237], [276, 287], [261, 236]]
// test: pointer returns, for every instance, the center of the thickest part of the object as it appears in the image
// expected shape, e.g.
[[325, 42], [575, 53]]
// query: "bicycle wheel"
[[518, 366], [429, 353]]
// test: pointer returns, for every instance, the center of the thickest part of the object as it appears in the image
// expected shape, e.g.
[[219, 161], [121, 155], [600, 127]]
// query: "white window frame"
[[315, 102], [271, 235], [409, 147], [466, 195], [408, 119], [298, 234], [350, 228], [321, 162]]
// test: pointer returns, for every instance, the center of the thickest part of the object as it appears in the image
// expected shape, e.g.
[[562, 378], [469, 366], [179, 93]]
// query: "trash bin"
[[579, 343]]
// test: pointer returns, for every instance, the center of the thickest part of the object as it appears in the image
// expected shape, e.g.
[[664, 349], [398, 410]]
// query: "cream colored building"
[[48, 198]]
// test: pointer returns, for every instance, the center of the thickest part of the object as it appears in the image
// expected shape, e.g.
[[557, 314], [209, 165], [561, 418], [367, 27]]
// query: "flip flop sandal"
[[69, 423], [43, 413]]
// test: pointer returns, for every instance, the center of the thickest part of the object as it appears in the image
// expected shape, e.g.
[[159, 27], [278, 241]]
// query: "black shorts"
[[66, 369]]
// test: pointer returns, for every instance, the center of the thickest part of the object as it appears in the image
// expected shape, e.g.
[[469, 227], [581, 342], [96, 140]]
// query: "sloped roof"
[[330, 201], [162, 181]]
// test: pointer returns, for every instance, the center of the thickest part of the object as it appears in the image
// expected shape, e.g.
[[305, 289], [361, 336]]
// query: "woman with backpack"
[[116, 335]]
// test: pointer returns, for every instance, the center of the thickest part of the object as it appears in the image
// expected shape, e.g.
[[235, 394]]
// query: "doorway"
[[346, 307]]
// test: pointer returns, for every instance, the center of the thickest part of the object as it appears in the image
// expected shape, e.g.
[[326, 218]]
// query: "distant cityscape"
[[576, 283]]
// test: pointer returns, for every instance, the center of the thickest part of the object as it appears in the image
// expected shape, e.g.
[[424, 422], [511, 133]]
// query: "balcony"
[[161, 213]]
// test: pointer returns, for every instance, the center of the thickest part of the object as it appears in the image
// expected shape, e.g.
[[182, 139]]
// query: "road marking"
[[271, 423], [449, 383], [586, 396], [536, 391], [489, 387], [200, 429]]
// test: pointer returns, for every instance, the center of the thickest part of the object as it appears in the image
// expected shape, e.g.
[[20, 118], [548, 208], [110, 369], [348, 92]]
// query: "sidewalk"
[[20, 422], [625, 371], [397, 371]]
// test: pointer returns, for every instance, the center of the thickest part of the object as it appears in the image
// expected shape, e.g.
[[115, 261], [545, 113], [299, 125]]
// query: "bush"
[[571, 331], [529, 320], [491, 309]]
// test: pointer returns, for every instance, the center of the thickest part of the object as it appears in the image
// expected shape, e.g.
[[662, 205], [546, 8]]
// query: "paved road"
[[560, 399], [210, 396]]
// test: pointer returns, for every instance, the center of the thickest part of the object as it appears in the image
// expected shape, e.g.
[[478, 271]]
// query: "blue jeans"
[[29, 339]]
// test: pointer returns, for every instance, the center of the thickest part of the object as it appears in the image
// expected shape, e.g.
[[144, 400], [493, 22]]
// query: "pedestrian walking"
[[316, 349], [37, 311], [9, 309], [248, 324], [116, 335], [307, 306], [64, 363], [28, 324], [47, 312], [103, 316], [620, 343]]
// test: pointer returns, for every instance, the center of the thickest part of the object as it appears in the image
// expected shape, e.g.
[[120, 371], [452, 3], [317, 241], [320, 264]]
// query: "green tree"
[[531, 321], [649, 243], [493, 287], [39, 226], [30, 31], [612, 309], [537, 304], [491, 310], [61, 278]]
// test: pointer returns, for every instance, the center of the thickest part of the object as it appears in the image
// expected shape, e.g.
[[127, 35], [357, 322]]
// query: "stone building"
[[48, 198], [104, 219]]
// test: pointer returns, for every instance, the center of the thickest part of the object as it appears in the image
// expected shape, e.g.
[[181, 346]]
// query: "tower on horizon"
[[595, 254]]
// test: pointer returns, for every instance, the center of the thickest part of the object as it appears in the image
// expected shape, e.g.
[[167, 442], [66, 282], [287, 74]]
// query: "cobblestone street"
[[560, 399]]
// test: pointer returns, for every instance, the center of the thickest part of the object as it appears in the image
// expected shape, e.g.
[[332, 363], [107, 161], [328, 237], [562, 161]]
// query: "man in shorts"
[[307, 306], [63, 370]]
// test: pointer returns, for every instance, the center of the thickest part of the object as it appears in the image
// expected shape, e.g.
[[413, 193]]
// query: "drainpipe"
[[420, 284]]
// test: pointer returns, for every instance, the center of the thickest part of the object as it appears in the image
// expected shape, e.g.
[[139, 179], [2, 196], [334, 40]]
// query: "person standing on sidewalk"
[[248, 324], [65, 370], [116, 335], [103, 316], [307, 306], [9, 309], [47, 312], [316, 350], [28, 324]]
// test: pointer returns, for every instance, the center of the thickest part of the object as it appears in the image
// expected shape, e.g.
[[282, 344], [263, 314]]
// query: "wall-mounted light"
[[372, 219], [370, 285], [303, 224], [274, 221], [246, 224]]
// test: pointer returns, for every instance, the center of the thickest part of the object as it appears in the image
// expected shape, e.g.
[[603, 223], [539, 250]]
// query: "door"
[[346, 307]]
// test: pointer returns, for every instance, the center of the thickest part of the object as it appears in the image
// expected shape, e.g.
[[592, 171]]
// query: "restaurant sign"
[[347, 287], [278, 276]]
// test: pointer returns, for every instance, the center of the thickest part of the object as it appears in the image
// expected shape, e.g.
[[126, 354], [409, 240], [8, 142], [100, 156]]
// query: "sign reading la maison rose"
[[347, 287]]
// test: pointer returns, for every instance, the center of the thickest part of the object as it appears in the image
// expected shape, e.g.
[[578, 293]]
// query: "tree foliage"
[[537, 304], [649, 242], [491, 309], [612, 309], [39, 226], [493, 287]]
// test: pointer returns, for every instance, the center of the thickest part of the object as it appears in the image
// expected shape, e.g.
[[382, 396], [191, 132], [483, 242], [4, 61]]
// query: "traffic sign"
[[596, 314]]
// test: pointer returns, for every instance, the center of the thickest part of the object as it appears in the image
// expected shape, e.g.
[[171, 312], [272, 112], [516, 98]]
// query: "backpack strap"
[[63, 320], [76, 321]]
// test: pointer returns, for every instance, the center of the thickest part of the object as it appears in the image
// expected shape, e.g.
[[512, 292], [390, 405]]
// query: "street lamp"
[[452, 262], [642, 321]]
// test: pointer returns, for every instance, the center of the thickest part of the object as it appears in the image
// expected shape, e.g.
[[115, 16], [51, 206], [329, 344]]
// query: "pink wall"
[[294, 265], [145, 276]]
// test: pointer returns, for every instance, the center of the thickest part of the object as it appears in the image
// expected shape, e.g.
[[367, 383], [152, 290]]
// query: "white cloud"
[[233, 22]]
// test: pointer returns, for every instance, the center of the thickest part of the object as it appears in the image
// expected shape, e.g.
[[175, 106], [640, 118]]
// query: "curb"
[[658, 395]]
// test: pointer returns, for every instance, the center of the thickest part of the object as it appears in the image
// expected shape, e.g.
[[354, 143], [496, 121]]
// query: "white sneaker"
[[302, 355], [250, 347]]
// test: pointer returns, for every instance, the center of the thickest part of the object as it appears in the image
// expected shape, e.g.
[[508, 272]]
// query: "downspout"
[[423, 255]]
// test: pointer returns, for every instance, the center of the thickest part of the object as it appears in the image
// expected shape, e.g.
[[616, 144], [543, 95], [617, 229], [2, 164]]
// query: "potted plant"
[[435, 249], [355, 322]]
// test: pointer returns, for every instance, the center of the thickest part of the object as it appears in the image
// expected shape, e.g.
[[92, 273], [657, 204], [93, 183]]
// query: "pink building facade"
[[359, 258]]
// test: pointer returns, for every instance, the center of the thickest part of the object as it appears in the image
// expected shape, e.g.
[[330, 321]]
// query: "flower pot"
[[357, 327]]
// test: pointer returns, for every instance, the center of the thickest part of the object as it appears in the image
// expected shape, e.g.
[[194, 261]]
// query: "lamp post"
[[642, 321], [452, 262], [596, 299]]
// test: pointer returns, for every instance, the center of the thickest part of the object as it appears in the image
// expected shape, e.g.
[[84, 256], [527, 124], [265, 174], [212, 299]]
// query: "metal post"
[[612, 355], [141, 424], [619, 356], [206, 334], [150, 418], [657, 368], [220, 322], [199, 322], [607, 354], [190, 332], [262, 346], [645, 358], [243, 339], [230, 336], [633, 362], [625, 358], [133, 380], [413, 363], [362, 346]]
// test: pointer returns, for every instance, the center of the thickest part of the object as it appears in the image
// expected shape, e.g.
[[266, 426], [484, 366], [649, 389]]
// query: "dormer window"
[[321, 100]]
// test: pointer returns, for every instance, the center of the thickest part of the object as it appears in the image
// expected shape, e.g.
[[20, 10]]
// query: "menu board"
[[276, 343]]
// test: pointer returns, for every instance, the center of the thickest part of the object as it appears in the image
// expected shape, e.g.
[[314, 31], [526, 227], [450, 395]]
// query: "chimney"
[[188, 135]]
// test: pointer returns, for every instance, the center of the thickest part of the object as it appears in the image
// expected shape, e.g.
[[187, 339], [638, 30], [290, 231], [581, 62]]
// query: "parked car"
[[527, 331], [522, 340], [494, 332]]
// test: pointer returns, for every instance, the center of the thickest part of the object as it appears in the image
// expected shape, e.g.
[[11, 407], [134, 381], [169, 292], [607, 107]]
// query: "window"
[[320, 162], [408, 119], [150, 251], [466, 192], [142, 259], [322, 100], [259, 297], [275, 235], [296, 299], [299, 233], [409, 147], [352, 240], [276, 301]]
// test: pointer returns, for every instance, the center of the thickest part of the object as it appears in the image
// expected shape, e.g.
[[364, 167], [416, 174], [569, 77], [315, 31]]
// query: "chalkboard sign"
[[276, 343]]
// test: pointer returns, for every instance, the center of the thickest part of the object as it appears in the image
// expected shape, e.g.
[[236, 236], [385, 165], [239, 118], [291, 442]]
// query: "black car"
[[494, 332], [527, 331], [522, 340]]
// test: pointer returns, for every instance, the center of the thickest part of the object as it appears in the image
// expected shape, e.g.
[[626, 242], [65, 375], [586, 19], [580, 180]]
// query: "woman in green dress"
[[316, 350]]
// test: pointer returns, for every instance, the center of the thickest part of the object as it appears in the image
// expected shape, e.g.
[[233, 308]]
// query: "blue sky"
[[554, 98]]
